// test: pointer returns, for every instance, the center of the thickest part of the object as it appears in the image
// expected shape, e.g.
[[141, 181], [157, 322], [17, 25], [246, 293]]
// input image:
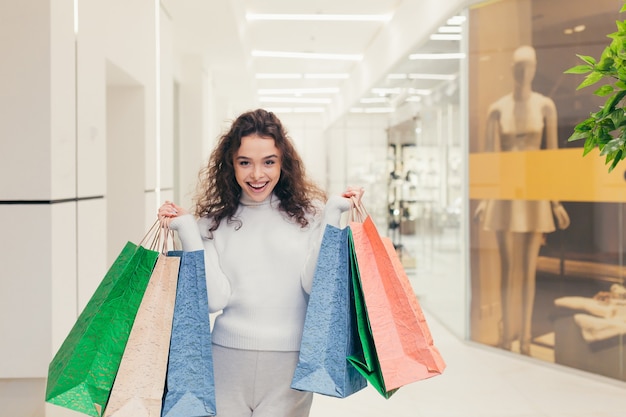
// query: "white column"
[[37, 195]]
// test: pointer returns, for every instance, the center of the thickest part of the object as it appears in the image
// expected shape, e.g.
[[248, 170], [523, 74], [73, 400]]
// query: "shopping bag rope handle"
[[158, 236], [358, 213], [150, 234]]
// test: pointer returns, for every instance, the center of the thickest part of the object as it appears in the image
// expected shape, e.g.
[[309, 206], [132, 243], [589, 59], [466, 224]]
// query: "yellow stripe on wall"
[[561, 174]]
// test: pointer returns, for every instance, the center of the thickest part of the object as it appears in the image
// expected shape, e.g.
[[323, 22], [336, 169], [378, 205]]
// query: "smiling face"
[[257, 166]]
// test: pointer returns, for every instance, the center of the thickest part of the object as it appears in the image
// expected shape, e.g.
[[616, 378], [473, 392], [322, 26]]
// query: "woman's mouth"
[[258, 187]]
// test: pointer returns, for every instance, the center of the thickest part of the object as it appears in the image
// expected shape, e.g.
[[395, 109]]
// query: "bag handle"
[[165, 235], [358, 213], [151, 235], [158, 236]]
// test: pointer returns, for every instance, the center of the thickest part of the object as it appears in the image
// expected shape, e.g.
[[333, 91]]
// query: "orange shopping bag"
[[404, 345]]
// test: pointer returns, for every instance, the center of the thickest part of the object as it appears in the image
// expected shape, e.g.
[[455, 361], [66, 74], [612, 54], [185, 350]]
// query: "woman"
[[260, 225], [516, 123]]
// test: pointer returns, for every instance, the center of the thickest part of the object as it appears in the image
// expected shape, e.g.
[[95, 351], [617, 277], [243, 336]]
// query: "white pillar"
[[37, 195]]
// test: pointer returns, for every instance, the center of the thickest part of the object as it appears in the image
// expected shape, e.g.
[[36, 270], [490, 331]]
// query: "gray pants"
[[251, 383]]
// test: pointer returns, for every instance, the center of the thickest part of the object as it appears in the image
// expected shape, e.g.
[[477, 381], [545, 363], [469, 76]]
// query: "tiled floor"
[[486, 382]]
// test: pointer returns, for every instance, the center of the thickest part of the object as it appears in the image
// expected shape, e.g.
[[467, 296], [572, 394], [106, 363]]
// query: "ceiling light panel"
[[297, 91], [445, 37], [307, 55], [449, 29], [299, 109], [436, 56], [301, 100], [278, 76], [319, 17]]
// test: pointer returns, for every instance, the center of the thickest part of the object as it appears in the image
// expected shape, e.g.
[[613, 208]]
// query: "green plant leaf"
[[617, 117], [613, 146], [616, 159], [590, 79], [585, 125], [605, 64], [610, 104], [590, 145], [579, 69], [605, 90], [578, 136], [588, 59]]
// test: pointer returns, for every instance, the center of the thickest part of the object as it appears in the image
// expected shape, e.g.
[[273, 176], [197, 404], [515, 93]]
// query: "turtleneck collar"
[[247, 201]]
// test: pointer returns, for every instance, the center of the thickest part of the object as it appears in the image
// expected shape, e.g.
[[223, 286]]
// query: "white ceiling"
[[219, 31]]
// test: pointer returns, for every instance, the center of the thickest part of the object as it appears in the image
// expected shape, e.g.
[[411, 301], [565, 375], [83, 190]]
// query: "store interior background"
[[113, 107]]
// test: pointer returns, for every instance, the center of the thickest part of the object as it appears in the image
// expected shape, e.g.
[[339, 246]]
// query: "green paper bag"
[[81, 374], [366, 362]]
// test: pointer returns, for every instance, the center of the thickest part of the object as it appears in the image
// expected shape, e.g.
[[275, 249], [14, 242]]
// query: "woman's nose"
[[257, 172]]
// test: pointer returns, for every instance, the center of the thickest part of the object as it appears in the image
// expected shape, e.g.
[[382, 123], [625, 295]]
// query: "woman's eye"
[[244, 163], [270, 162]]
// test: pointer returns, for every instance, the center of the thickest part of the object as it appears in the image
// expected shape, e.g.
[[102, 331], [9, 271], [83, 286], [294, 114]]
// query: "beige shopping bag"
[[140, 381]]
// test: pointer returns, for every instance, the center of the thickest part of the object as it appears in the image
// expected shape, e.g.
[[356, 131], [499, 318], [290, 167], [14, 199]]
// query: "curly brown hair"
[[218, 192]]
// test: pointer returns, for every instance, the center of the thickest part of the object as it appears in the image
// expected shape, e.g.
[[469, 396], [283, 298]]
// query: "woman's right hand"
[[169, 211]]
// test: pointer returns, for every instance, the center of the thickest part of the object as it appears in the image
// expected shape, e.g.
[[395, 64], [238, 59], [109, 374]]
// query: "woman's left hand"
[[168, 211], [356, 192]]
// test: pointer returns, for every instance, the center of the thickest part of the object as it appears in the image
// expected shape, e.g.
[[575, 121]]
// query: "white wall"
[[53, 193]]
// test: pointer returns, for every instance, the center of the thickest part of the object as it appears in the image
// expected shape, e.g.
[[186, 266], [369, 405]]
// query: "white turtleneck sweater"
[[260, 275]]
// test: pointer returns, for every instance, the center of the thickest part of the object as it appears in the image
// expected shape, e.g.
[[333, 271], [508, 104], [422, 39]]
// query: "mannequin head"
[[524, 65]]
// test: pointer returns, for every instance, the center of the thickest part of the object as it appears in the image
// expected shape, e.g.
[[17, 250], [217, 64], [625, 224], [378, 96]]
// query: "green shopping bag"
[[81, 374], [366, 361]]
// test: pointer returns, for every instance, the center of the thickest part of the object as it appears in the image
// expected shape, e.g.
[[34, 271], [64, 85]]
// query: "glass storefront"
[[546, 249], [511, 237]]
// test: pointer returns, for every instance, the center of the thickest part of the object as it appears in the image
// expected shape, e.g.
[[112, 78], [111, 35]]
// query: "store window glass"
[[547, 231], [426, 143]]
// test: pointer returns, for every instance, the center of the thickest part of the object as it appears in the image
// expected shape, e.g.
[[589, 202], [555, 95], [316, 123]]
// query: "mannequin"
[[517, 122]]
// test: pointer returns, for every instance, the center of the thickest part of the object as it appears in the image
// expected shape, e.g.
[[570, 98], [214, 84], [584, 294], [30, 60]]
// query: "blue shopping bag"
[[330, 331], [190, 387]]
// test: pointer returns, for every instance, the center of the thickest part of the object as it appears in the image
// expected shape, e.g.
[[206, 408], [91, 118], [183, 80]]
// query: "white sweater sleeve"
[[333, 210], [218, 285]]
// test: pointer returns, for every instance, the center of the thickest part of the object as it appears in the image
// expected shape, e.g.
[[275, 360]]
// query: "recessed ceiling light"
[[307, 55], [445, 37], [320, 17], [297, 91], [306, 109], [456, 20], [443, 77], [385, 91], [298, 76], [449, 29], [454, 55], [295, 100], [328, 76], [278, 76]]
